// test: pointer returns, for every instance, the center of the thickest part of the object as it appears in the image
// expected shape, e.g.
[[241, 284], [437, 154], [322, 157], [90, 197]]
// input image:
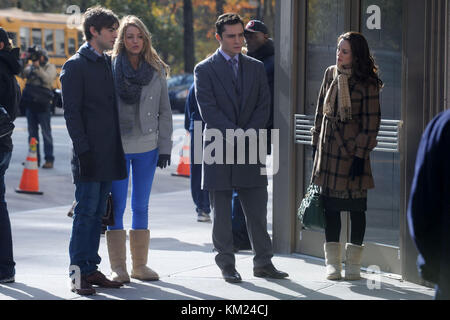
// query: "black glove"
[[314, 152], [163, 160], [87, 168], [357, 168]]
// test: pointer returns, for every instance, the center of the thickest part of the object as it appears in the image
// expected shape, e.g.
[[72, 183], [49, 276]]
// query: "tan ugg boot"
[[139, 243], [353, 256], [116, 243], [333, 261]]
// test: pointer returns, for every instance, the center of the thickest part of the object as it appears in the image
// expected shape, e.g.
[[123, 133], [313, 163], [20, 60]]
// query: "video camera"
[[33, 53]]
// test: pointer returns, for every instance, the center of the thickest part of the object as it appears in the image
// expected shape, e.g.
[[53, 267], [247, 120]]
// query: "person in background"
[[199, 196], [40, 76], [344, 134], [9, 102], [92, 120], [429, 205], [145, 119]]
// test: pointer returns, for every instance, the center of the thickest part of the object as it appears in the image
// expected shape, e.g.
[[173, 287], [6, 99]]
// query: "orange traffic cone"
[[183, 168], [30, 180]]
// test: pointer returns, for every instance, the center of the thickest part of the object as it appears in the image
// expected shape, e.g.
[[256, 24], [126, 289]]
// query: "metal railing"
[[387, 138]]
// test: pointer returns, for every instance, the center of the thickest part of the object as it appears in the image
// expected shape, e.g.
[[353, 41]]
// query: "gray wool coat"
[[222, 109]]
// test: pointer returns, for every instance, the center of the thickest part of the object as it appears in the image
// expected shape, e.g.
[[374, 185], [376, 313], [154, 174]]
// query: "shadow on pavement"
[[155, 290], [20, 291]]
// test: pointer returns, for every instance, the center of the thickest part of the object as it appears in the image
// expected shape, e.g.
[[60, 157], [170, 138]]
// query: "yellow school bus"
[[50, 31]]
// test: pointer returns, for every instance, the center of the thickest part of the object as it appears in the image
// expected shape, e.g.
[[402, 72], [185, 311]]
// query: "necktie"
[[234, 67]]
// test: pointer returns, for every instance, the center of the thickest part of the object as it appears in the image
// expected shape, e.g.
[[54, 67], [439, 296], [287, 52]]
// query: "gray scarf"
[[129, 82]]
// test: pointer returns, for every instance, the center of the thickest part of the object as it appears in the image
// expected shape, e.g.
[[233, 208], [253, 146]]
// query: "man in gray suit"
[[233, 94]]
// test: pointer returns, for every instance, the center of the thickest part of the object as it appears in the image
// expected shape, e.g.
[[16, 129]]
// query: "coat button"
[[151, 98], [150, 130], [148, 114]]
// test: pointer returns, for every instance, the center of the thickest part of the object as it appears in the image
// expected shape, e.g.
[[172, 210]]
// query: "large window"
[[386, 46], [36, 35], [48, 36], [24, 39], [59, 43], [71, 46]]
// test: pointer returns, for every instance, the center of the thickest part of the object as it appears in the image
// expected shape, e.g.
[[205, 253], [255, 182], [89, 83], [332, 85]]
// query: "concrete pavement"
[[181, 252]]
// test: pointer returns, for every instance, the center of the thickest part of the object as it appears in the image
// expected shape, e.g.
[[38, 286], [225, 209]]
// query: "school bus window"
[[71, 46], [59, 41], [36, 35], [13, 37], [48, 36], [24, 38], [80, 38]]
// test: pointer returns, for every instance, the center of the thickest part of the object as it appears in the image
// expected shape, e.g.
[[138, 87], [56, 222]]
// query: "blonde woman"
[[146, 127]]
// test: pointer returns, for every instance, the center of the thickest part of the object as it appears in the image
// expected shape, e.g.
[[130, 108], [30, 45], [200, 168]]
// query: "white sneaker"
[[203, 217]]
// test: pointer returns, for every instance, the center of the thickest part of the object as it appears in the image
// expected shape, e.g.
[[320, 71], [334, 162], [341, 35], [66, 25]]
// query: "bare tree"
[[219, 7], [189, 50]]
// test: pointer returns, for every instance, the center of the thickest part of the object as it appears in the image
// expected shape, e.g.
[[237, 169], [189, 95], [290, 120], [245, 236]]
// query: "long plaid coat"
[[339, 142]]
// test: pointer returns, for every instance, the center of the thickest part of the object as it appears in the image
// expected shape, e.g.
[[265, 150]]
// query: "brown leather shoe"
[[85, 288], [99, 279], [47, 165]]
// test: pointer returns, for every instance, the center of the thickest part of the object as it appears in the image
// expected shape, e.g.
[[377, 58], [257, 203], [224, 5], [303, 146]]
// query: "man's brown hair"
[[228, 19], [98, 17]]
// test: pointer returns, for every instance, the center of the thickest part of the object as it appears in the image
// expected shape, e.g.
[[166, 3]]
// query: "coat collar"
[[88, 53], [222, 70]]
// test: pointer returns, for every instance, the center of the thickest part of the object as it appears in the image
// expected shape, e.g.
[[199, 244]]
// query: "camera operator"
[[37, 99]]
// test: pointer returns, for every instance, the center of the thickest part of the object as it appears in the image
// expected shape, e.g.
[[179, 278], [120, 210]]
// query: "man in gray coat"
[[233, 95]]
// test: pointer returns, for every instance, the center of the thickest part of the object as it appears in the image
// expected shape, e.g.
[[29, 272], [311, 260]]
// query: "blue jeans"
[[6, 248], [87, 224], [35, 119], [200, 197], [143, 166]]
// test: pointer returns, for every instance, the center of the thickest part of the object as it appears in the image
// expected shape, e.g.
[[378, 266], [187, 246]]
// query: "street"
[[57, 183]]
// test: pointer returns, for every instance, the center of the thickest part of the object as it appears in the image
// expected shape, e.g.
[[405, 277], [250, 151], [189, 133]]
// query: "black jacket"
[[90, 110], [9, 67], [429, 206]]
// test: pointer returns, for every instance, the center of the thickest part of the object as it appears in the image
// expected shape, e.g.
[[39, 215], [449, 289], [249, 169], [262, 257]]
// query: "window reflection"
[[386, 45]]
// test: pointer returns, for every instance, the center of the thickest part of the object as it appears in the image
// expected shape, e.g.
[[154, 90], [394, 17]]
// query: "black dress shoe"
[[269, 271], [231, 275]]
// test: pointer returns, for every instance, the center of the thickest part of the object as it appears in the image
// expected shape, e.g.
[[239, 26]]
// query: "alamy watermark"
[[247, 147]]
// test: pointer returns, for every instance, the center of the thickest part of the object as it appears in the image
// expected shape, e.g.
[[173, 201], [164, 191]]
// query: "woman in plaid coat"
[[345, 130]]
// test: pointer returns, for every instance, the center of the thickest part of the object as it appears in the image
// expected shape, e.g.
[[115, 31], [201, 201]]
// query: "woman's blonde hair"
[[148, 53]]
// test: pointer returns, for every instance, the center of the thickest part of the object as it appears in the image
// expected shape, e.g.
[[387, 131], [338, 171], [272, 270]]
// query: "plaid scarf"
[[339, 88]]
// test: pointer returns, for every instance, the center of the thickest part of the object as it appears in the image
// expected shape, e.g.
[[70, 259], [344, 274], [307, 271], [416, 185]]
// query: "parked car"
[[178, 87]]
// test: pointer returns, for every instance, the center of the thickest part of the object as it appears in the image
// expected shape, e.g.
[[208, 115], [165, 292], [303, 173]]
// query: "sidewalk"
[[181, 252]]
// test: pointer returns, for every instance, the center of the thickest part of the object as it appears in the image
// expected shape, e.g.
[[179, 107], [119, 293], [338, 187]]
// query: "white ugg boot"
[[116, 243], [139, 243], [333, 260], [353, 256]]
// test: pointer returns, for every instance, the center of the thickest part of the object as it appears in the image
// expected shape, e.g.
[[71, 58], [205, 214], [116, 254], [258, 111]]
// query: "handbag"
[[311, 210], [6, 125], [107, 219]]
